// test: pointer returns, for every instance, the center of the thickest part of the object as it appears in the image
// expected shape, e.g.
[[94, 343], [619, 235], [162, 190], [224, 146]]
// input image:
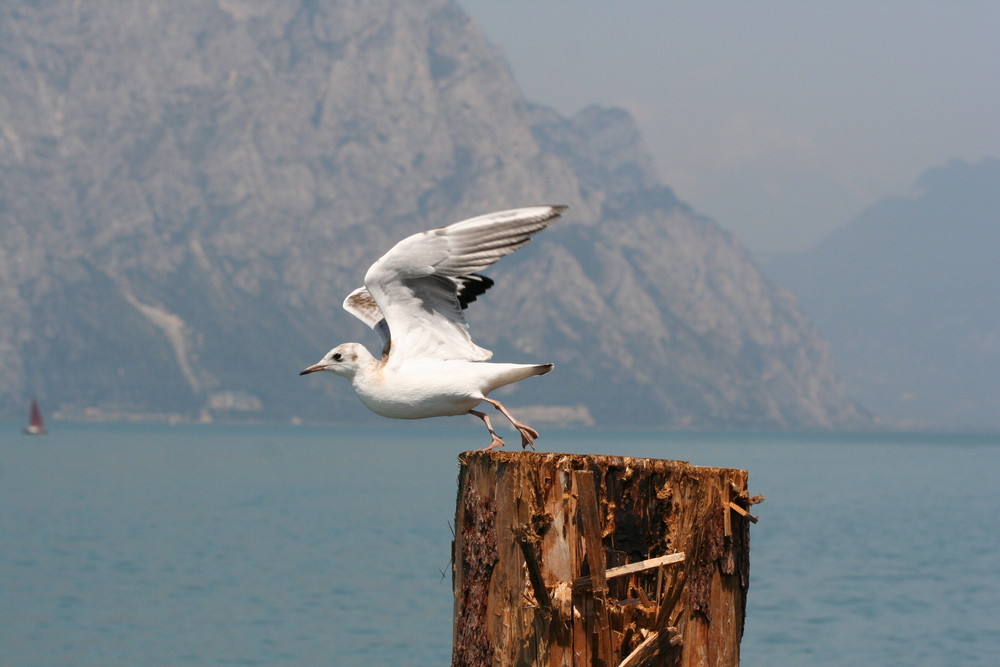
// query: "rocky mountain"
[[189, 189], [907, 295]]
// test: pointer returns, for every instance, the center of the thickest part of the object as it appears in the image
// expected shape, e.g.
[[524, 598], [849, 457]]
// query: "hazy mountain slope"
[[188, 190], [907, 295]]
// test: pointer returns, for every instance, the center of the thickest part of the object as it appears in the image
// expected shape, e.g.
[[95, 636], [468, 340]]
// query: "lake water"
[[263, 545]]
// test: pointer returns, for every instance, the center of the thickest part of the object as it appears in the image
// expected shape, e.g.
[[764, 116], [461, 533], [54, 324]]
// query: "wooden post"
[[570, 560]]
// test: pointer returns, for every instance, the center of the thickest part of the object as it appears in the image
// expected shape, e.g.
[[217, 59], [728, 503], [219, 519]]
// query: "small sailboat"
[[37, 425]]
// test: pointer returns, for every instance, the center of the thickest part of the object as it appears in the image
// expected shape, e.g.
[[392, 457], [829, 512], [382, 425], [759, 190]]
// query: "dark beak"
[[312, 369]]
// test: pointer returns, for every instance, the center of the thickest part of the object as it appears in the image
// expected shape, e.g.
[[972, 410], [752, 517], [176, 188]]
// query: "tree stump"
[[571, 560]]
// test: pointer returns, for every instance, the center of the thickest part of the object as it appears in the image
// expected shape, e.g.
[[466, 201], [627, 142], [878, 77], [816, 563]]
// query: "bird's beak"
[[312, 369]]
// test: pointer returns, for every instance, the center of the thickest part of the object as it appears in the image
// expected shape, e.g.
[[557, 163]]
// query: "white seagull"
[[413, 297]]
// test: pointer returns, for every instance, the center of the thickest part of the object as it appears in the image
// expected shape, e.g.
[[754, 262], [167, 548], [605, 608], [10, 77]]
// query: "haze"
[[781, 120]]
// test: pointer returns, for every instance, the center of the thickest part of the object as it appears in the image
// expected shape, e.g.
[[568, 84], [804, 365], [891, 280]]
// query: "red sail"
[[37, 425]]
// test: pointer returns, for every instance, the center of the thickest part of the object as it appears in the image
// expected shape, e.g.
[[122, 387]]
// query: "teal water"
[[239, 545]]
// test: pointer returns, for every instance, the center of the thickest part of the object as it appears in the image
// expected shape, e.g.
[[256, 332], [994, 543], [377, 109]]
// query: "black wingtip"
[[472, 286]]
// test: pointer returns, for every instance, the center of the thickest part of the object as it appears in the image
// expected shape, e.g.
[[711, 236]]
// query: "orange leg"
[[528, 434], [497, 441]]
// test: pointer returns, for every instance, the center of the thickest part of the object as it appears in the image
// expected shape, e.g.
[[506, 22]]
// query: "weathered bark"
[[539, 541]]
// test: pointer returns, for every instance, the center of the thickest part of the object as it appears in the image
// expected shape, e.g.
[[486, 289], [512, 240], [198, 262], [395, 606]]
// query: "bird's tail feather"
[[508, 373]]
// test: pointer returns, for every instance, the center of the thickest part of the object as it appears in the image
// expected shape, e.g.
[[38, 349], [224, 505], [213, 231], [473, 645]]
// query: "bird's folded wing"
[[415, 285]]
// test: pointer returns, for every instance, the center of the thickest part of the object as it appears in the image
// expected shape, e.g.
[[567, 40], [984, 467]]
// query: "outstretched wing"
[[420, 287]]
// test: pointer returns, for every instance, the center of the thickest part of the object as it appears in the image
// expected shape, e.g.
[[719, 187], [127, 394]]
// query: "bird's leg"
[[497, 441], [528, 434]]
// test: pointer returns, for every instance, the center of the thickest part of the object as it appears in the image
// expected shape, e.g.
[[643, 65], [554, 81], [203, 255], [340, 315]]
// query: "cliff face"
[[187, 192]]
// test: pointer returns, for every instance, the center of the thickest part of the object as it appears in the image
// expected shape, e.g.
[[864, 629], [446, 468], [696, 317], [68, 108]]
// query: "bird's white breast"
[[419, 389]]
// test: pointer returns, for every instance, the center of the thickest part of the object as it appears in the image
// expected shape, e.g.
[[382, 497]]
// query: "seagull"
[[413, 297]]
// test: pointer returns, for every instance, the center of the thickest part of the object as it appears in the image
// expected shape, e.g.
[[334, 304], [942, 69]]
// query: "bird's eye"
[[337, 357]]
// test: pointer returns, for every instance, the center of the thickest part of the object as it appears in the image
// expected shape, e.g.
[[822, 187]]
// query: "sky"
[[781, 120]]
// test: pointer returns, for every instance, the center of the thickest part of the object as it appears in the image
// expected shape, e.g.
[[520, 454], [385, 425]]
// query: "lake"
[[125, 544]]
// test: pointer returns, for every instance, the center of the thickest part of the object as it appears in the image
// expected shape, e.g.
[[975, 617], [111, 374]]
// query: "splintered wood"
[[571, 560]]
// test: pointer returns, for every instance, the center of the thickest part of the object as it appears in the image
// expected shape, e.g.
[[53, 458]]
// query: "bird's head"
[[343, 360]]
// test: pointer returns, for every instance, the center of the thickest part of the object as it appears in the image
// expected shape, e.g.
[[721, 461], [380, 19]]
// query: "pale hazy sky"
[[782, 120]]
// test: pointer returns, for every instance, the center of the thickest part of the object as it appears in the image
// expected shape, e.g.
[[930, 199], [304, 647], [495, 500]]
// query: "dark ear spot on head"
[[354, 357]]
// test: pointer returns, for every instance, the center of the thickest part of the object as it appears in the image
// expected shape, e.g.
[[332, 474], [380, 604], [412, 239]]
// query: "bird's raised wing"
[[419, 288], [361, 304]]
